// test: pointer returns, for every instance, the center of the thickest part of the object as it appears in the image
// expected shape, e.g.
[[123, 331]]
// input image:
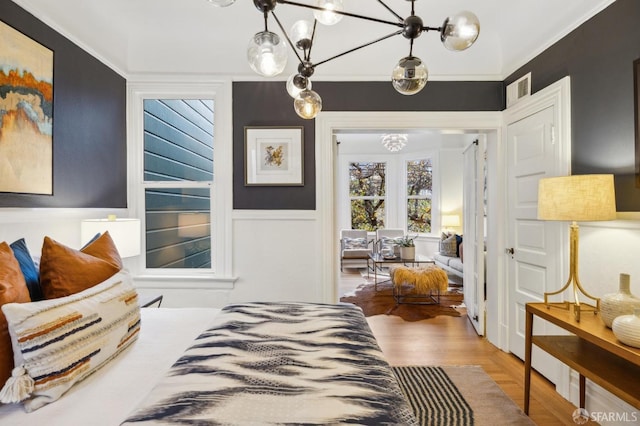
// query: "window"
[[419, 195], [181, 168], [178, 177], [367, 186]]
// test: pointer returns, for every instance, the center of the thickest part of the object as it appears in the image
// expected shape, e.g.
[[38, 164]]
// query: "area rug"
[[457, 396], [381, 302]]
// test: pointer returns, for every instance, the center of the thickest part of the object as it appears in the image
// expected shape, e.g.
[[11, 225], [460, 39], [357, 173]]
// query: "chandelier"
[[267, 52], [394, 142]]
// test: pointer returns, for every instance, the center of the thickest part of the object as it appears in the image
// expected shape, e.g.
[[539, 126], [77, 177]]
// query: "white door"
[[533, 248], [473, 244]]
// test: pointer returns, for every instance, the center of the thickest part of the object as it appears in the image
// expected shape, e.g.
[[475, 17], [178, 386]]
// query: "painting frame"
[[26, 126], [274, 156], [636, 115]]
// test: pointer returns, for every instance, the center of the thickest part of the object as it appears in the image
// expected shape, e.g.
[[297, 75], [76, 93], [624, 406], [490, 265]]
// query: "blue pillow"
[[28, 268], [458, 242]]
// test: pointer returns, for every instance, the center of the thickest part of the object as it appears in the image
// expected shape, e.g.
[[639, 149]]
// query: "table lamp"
[[125, 233], [449, 221], [578, 198]]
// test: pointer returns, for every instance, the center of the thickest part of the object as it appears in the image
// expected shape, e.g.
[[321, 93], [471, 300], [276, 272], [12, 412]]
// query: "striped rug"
[[435, 399]]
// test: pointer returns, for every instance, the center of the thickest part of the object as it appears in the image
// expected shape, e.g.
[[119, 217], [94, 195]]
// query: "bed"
[[249, 363]]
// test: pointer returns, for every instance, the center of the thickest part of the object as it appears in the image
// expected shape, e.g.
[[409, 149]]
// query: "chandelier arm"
[[359, 47], [411, 47], [266, 15], [400, 18], [286, 36], [313, 37], [339, 12]]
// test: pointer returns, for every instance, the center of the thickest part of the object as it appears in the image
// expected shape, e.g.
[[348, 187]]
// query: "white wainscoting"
[[275, 255]]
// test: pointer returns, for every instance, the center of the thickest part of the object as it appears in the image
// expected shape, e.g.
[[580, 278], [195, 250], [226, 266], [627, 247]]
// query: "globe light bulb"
[[301, 33], [460, 31], [296, 83], [307, 104], [409, 76], [327, 17], [222, 3], [267, 54]]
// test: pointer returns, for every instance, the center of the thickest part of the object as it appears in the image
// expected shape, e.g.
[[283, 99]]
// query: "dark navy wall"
[[89, 124], [268, 104], [599, 57]]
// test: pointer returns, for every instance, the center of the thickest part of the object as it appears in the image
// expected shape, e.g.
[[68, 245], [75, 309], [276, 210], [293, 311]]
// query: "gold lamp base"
[[574, 282]]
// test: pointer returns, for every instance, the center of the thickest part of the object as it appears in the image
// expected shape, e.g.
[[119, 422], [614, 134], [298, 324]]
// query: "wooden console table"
[[593, 351]]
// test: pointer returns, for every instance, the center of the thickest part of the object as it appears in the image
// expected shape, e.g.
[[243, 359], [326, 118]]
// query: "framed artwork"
[[26, 114], [274, 156], [636, 114]]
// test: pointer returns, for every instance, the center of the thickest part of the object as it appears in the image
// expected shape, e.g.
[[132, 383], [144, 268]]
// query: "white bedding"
[[108, 396]]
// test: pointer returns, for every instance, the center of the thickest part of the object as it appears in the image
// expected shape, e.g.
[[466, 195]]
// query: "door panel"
[[473, 200], [532, 264]]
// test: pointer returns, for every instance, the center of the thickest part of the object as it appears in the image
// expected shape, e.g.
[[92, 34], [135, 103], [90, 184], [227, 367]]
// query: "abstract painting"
[[274, 156], [26, 114]]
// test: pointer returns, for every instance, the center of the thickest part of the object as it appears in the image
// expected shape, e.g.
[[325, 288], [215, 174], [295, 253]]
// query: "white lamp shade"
[[580, 198], [450, 220], [124, 232]]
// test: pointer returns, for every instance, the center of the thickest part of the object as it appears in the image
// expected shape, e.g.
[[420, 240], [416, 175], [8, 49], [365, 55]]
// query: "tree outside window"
[[419, 194], [367, 186]]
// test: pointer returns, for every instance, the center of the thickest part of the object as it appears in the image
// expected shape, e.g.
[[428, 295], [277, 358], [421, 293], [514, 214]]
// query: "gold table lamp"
[[578, 198]]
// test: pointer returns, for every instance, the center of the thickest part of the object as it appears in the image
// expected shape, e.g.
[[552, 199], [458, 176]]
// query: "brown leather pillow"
[[13, 288], [104, 248], [65, 271]]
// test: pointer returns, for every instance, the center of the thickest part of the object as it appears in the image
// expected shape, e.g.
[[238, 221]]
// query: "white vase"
[[627, 328], [621, 303], [408, 252]]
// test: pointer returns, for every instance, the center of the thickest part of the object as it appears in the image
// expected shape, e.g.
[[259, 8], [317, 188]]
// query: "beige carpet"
[[457, 396], [490, 405]]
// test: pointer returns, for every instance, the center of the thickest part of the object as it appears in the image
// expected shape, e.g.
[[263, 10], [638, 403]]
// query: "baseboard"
[[603, 407]]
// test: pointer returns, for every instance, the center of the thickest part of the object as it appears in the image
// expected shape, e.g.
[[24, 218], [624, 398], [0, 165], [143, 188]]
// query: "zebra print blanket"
[[280, 363]]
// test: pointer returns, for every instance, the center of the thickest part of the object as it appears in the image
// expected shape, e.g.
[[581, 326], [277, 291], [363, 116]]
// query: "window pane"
[[419, 177], [419, 215], [178, 231], [178, 140], [367, 179], [367, 214]]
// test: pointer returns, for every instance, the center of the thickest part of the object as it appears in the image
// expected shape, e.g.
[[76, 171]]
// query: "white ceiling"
[[194, 37]]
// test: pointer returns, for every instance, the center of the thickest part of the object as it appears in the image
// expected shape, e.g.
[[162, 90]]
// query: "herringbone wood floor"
[[446, 340]]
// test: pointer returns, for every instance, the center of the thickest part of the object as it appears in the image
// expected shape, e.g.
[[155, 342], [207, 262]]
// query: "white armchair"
[[355, 247], [387, 238]]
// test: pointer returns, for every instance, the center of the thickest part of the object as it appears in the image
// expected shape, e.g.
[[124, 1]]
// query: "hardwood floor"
[[446, 340]]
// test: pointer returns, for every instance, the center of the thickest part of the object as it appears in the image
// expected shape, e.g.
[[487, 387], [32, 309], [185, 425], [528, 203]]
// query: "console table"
[[593, 351]]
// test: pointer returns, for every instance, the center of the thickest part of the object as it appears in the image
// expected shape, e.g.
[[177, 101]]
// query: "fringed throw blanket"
[[280, 363]]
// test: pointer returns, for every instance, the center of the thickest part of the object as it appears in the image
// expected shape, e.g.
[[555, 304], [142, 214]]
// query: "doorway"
[[329, 124]]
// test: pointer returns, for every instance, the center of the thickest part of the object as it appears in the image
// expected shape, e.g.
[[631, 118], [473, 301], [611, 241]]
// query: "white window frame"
[[221, 188], [396, 190], [435, 182], [386, 189]]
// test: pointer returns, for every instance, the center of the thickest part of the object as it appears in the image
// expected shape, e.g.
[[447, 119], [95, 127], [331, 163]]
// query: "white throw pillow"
[[59, 342]]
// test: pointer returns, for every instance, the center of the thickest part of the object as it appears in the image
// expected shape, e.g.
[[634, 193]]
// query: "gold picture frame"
[[274, 156]]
